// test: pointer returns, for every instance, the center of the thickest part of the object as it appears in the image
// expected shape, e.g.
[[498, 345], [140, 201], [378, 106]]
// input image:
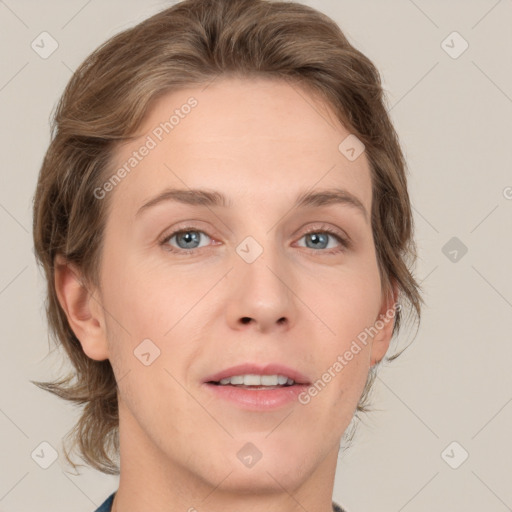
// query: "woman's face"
[[244, 283]]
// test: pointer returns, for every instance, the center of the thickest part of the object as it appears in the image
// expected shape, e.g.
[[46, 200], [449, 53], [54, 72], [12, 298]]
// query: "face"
[[192, 287]]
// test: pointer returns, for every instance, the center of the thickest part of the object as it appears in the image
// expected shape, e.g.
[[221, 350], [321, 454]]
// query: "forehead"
[[251, 138]]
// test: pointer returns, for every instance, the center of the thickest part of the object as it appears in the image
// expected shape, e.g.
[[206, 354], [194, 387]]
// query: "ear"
[[83, 309], [384, 324]]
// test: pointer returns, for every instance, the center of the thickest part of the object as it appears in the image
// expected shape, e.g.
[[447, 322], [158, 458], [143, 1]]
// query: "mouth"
[[258, 388], [249, 393], [255, 377], [254, 381]]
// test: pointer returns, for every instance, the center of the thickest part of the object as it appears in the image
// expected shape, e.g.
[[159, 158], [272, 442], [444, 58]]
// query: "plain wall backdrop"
[[447, 72]]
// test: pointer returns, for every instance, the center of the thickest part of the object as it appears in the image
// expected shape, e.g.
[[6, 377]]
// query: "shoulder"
[[337, 508], [106, 506]]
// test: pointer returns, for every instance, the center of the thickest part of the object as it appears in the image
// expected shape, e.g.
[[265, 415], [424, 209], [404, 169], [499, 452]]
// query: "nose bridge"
[[260, 283]]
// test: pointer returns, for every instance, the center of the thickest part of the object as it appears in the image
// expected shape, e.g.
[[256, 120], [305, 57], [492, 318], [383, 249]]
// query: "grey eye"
[[187, 239], [318, 240]]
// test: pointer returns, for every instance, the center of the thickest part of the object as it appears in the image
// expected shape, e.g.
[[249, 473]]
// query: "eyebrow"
[[213, 198]]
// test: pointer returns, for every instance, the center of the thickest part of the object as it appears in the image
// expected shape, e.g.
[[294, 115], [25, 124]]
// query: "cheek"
[[146, 301], [151, 310], [346, 303]]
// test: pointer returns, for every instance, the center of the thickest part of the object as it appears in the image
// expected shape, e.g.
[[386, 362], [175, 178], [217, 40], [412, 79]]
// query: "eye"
[[187, 240], [319, 240]]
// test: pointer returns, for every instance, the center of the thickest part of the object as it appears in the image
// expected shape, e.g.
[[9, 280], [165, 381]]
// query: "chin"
[[267, 465]]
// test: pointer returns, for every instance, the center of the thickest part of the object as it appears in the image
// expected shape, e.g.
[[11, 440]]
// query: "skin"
[[260, 142]]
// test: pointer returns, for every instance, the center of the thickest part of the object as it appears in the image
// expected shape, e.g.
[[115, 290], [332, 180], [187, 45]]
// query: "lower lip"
[[257, 399]]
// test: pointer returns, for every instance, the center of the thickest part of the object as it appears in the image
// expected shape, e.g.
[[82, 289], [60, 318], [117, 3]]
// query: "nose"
[[261, 294]]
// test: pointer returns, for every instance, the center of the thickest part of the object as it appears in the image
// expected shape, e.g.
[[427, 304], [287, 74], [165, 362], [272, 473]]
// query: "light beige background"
[[454, 118]]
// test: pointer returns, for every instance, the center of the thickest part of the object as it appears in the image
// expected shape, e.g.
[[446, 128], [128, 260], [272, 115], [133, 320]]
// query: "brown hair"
[[191, 43]]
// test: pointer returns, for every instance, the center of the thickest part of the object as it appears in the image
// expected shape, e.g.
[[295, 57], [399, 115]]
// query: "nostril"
[[246, 320]]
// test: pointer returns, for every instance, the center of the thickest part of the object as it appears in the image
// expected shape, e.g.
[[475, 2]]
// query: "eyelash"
[[344, 242]]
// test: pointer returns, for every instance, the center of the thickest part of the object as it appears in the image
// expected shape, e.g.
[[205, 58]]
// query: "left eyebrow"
[[327, 197], [213, 198]]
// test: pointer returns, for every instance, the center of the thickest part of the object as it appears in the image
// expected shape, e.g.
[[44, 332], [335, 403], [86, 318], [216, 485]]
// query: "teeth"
[[257, 380]]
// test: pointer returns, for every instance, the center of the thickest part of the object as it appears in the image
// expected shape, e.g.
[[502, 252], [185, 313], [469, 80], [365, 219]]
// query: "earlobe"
[[83, 310], [384, 325]]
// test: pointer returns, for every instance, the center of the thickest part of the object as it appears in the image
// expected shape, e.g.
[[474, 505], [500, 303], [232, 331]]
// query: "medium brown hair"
[[192, 43]]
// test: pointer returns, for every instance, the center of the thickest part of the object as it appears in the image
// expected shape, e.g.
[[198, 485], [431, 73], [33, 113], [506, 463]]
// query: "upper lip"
[[255, 369]]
